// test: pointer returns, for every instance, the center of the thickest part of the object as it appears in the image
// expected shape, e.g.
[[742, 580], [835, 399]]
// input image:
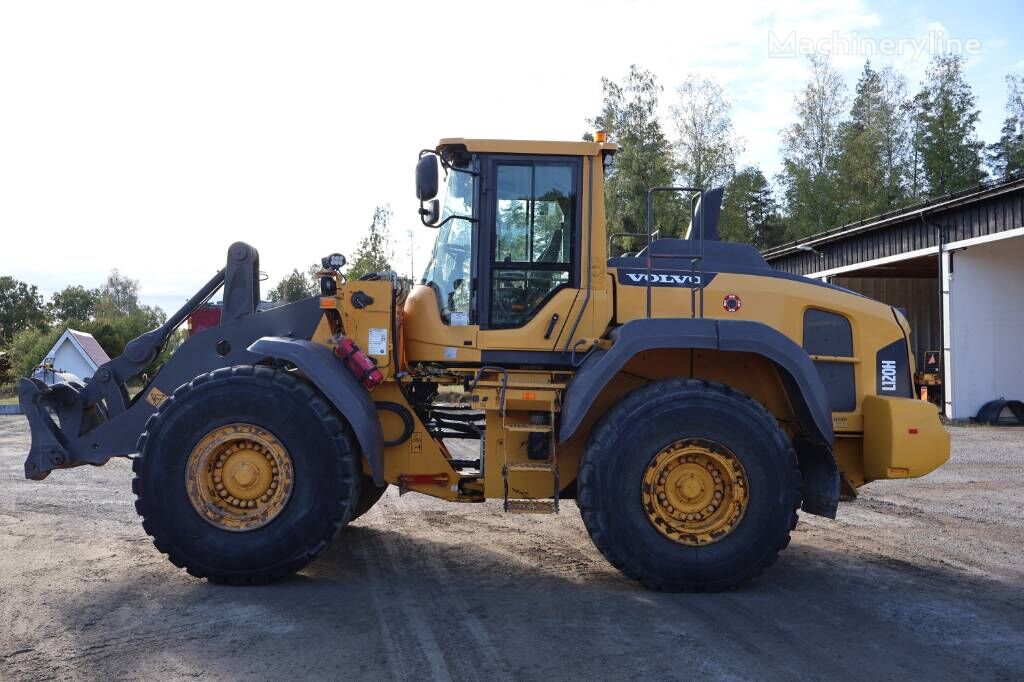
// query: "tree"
[[294, 286], [119, 317], [375, 251], [1006, 157], [874, 146], [74, 303], [644, 160], [119, 295], [750, 213], [707, 145], [21, 307], [28, 347], [948, 146], [811, 152]]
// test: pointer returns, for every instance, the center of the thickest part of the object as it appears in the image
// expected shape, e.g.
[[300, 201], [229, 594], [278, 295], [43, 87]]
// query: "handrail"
[[694, 258]]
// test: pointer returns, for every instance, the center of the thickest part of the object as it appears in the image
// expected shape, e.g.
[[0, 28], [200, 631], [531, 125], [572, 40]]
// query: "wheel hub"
[[694, 491], [239, 477]]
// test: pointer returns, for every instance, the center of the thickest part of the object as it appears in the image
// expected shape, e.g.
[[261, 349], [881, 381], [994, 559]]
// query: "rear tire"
[[322, 469], [630, 441]]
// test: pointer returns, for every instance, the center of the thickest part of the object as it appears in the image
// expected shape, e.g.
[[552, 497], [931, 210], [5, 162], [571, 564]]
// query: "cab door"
[[529, 255]]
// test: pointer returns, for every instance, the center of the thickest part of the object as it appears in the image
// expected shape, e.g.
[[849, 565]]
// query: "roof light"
[[601, 136]]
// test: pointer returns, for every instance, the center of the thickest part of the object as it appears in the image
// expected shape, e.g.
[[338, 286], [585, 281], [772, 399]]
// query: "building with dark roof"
[[75, 353], [956, 266]]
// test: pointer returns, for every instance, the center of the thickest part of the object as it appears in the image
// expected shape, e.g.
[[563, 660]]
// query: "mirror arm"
[[451, 217]]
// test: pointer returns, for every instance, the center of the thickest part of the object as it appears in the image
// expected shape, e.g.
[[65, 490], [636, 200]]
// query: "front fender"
[[347, 395], [801, 379]]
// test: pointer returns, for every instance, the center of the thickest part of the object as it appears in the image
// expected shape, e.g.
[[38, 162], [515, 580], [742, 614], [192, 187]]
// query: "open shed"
[[955, 265]]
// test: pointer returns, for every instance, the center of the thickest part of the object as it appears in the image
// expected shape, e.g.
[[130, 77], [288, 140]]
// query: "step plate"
[[529, 428], [530, 466]]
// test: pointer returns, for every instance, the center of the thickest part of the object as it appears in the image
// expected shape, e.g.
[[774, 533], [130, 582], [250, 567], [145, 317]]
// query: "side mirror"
[[426, 177], [430, 211]]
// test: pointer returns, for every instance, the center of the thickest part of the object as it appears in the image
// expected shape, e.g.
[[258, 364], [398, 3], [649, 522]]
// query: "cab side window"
[[533, 241]]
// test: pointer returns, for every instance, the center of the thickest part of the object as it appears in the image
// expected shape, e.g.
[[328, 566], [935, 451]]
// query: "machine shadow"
[[387, 604]]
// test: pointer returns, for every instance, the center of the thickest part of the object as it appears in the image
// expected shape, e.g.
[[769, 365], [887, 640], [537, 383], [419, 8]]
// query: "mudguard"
[[328, 374], [799, 376]]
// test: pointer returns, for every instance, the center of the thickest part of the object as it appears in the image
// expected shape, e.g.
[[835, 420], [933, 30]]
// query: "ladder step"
[[521, 384], [531, 506], [531, 428], [530, 466]]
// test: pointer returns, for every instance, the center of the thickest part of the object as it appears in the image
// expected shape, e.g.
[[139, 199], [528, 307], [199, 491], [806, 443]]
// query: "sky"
[[149, 136]]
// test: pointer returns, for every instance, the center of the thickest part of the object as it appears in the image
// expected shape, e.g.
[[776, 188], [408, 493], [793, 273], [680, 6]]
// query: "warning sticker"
[[377, 341], [450, 353], [460, 319]]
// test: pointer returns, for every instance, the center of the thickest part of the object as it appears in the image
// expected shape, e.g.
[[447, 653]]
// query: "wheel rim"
[[695, 491], [239, 477]]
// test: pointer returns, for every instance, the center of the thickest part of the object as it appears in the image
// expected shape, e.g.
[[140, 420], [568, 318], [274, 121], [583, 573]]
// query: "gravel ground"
[[918, 579]]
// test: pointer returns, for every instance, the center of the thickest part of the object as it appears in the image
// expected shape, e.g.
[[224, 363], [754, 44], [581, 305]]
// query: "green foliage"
[[21, 307], [1006, 156], [375, 250], [294, 286], [811, 153], [707, 146], [114, 332], [119, 295], [750, 213], [629, 116], [874, 153], [949, 150], [74, 304], [28, 348], [119, 317], [5, 371]]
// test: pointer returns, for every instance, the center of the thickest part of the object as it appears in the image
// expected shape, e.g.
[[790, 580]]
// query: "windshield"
[[449, 269]]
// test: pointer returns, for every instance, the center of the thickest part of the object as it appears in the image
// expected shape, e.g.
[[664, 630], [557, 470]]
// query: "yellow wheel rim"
[[239, 477], [695, 492]]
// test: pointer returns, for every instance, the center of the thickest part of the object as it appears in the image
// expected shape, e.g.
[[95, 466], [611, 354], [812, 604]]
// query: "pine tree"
[[946, 140], [1006, 157], [874, 146], [375, 250], [750, 213]]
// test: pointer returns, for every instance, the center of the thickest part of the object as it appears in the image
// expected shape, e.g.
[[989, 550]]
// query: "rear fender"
[[348, 396]]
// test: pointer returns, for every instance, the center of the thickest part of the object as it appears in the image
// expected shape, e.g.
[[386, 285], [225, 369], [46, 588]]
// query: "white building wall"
[[986, 325], [69, 359]]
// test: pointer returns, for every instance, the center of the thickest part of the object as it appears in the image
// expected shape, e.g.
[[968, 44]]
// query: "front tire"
[[244, 475], [369, 495], [689, 485]]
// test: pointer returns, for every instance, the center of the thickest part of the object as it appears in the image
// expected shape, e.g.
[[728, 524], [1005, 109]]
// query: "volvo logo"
[[664, 279]]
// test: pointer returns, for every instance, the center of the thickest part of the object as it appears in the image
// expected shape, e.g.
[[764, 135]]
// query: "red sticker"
[[732, 303]]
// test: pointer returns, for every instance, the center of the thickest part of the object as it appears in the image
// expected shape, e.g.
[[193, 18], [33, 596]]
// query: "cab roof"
[[556, 148]]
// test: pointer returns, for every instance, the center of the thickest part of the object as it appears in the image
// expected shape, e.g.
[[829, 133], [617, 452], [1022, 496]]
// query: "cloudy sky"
[[149, 136]]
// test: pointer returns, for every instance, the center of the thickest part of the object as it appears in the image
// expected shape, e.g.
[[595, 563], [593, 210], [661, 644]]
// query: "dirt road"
[[921, 579]]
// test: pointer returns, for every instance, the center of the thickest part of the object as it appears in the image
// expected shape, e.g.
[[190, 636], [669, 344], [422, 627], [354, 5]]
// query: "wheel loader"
[[688, 397]]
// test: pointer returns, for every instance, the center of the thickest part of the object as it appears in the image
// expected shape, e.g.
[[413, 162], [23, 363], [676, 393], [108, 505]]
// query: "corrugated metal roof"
[[894, 217]]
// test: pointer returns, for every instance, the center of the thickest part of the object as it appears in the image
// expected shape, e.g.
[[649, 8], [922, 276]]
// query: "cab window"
[[534, 229]]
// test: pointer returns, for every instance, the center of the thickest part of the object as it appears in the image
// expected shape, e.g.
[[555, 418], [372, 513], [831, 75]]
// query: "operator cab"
[[509, 218], [508, 231]]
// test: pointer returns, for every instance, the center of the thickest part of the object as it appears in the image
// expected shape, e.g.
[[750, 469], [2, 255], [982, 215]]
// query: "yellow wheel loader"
[[687, 396]]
